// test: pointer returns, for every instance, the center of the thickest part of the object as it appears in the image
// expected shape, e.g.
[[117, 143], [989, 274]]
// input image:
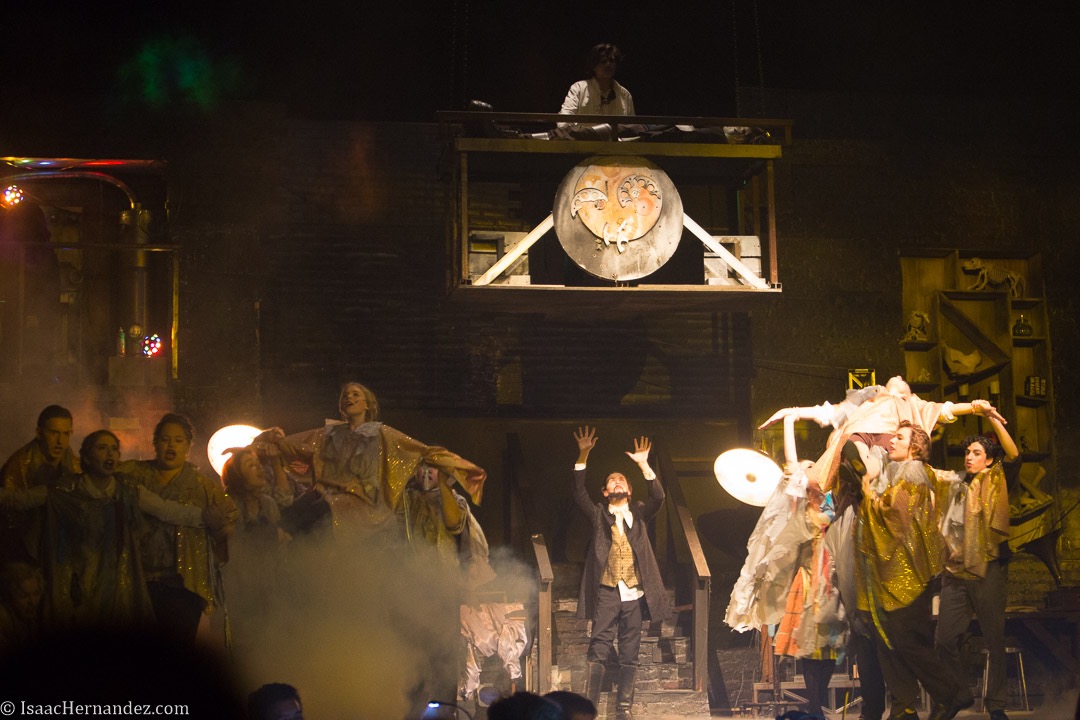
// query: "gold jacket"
[[899, 543]]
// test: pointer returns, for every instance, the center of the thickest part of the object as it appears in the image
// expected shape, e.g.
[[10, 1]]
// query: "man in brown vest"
[[621, 583]]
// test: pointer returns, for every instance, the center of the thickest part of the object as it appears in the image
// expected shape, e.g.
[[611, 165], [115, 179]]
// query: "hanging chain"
[[735, 54], [760, 62], [465, 53], [459, 75]]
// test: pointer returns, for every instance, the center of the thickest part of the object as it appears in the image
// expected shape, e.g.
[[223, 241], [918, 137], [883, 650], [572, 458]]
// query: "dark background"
[[404, 61], [310, 200]]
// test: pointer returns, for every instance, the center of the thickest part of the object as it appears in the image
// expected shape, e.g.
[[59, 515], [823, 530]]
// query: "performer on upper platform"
[[599, 94], [621, 577]]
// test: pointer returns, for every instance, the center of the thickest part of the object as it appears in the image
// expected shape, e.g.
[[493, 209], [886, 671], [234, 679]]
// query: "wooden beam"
[[611, 147], [520, 249], [736, 264]]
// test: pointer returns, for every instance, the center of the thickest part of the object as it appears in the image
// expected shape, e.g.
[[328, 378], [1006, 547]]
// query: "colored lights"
[[13, 195], [151, 345]]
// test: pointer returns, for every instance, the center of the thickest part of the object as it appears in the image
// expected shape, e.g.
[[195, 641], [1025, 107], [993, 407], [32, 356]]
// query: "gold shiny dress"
[[364, 475]]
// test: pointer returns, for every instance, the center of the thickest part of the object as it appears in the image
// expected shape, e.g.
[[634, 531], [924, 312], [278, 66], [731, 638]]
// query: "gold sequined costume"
[[191, 553], [90, 554], [25, 469], [364, 475], [900, 544], [900, 551], [976, 522]]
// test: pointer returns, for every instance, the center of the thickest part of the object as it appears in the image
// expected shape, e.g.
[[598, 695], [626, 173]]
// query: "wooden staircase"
[[665, 678]]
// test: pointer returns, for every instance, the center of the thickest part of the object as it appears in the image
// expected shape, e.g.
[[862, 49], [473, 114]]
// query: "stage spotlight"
[[231, 436], [443, 710], [13, 195], [488, 694], [748, 475]]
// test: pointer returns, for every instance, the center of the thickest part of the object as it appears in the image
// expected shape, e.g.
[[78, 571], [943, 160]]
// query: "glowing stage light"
[[748, 475], [230, 436], [13, 195], [151, 345], [443, 710]]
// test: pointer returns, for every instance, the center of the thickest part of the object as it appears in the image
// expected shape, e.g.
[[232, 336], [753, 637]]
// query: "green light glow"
[[170, 72]]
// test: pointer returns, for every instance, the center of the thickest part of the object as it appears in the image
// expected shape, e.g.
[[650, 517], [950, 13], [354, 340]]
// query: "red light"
[[151, 345]]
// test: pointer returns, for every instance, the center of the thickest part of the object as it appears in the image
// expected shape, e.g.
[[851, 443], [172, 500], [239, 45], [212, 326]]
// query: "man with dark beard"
[[621, 577]]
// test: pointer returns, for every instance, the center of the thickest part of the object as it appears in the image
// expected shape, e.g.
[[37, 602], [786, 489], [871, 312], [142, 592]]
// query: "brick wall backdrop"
[[316, 252]]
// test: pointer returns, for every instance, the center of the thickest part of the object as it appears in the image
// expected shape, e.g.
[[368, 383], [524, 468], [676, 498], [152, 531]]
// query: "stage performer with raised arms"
[[621, 581], [976, 530]]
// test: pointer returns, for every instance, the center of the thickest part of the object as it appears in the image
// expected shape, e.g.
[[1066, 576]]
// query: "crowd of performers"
[[90, 539], [845, 557]]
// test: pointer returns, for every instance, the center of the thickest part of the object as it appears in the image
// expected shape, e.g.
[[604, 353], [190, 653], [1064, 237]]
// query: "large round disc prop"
[[231, 436], [747, 475], [618, 218]]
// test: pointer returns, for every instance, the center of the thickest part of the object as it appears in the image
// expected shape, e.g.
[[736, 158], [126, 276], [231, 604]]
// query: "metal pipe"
[[75, 175], [134, 218], [136, 223]]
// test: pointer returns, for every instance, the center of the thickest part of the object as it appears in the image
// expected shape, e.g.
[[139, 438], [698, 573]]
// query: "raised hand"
[[779, 415], [270, 435], [984, 408], [586, 438], [642, 447]]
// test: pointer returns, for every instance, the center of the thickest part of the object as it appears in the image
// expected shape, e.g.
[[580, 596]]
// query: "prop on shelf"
[[918, 327], [992, 277], [1034, 525], [1022, 328], [960, 364], [1045, 549], [1035, 386]]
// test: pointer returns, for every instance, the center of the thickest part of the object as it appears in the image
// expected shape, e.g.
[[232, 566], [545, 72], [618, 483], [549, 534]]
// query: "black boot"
[[592, 683], [624, 700]]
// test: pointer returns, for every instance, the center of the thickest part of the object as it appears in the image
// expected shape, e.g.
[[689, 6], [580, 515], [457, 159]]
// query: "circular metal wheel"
[[618, 218]]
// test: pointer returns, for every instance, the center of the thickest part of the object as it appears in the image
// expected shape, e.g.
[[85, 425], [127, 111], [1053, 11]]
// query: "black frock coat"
[[600, 545]]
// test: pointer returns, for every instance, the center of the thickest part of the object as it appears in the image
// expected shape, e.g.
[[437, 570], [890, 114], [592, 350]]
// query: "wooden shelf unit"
[[971, 350]]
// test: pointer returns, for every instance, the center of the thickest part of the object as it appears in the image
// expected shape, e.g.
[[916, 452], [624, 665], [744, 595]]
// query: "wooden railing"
[[779, 129], [487, 145], [523, 532], [684, 534]]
